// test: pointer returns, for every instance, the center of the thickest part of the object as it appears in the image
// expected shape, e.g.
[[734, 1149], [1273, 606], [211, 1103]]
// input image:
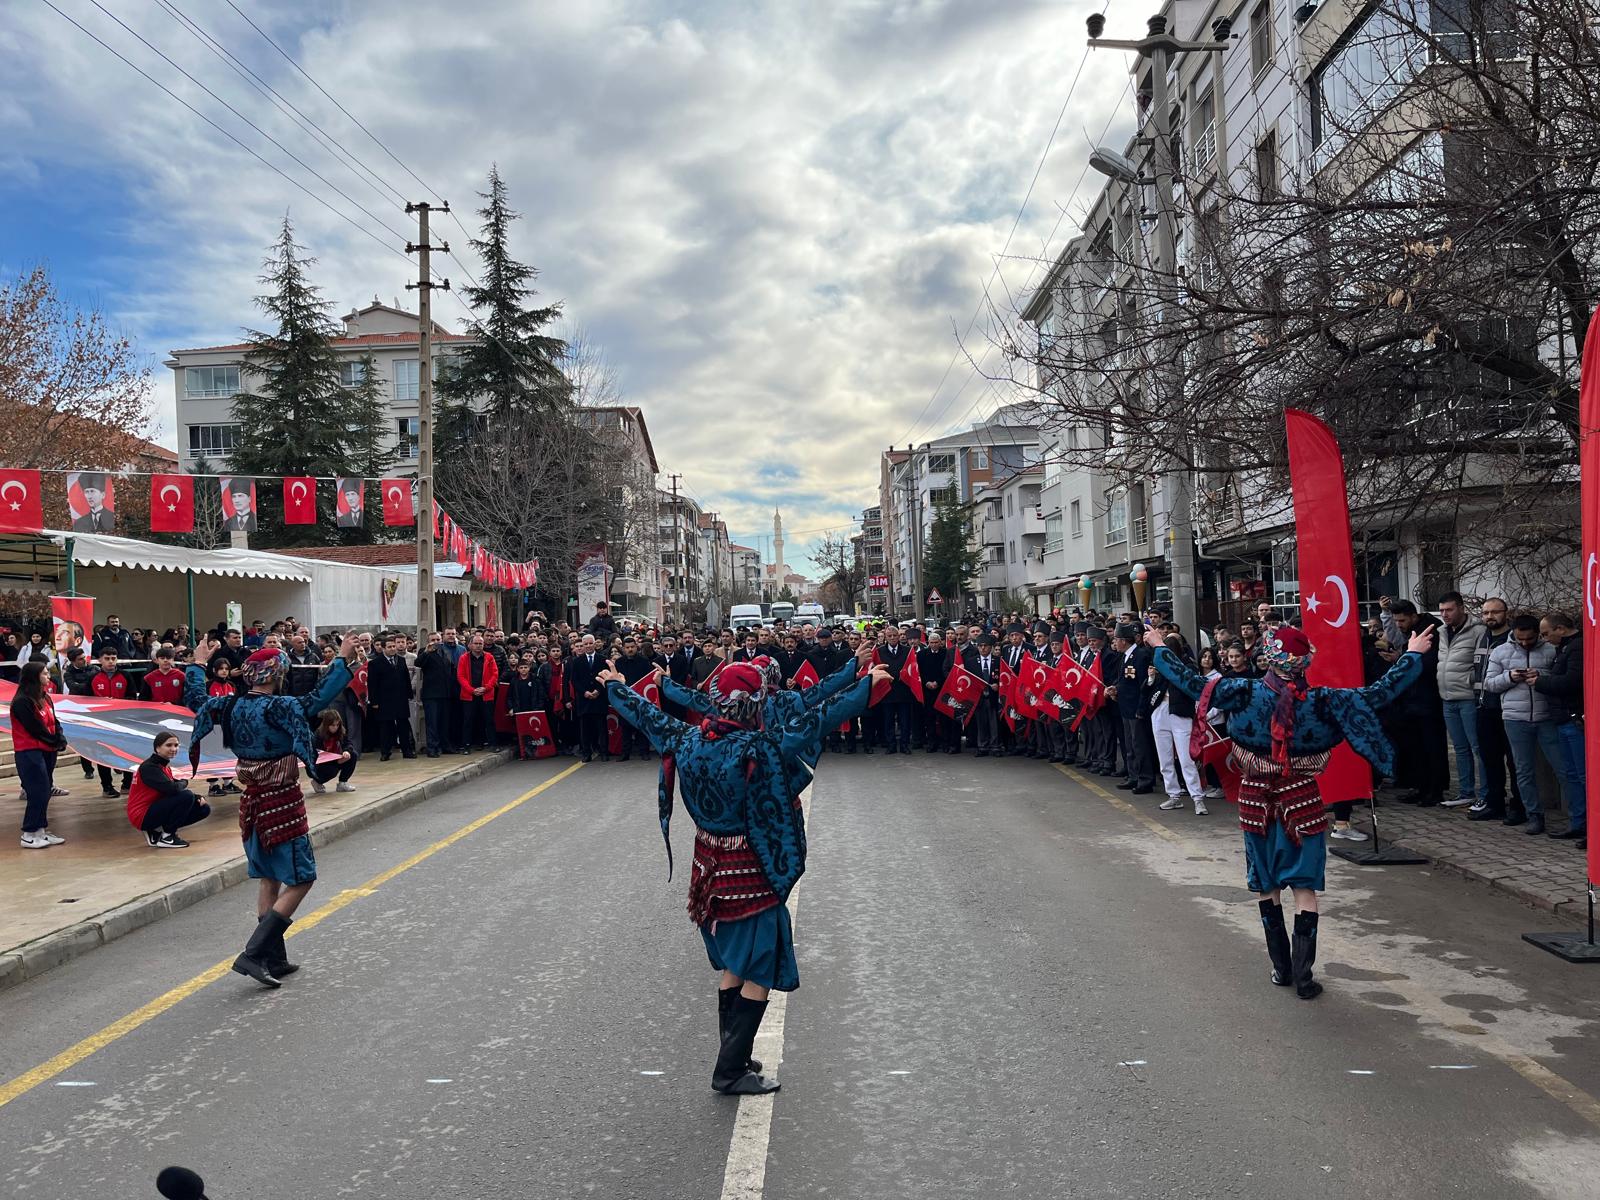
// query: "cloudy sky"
[[773, 215]]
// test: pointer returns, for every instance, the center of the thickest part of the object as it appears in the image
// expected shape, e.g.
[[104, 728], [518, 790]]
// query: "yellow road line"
[[1556, 1086], [74, 1055]]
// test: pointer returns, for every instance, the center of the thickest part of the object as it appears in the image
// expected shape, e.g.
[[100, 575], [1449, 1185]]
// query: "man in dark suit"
[[896, 706], [680, 668], [1108, 721], [389, 695], [752, 648], [982, 660], [99, 518], [1133, 707], [939, 732], [241, 491], [589, 699]]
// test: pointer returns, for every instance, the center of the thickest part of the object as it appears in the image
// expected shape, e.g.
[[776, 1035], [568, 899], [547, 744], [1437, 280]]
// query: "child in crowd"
[[158, 805], [109, 683], [221, 683], [331, 737], [164, 683]]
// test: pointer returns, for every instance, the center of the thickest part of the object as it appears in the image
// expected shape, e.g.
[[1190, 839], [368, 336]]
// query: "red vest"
[[114, 687], [22, 740], [140, 796], [166, 687]]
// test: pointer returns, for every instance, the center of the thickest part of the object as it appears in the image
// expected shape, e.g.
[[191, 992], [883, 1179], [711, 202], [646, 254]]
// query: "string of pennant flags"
[[91, 505]]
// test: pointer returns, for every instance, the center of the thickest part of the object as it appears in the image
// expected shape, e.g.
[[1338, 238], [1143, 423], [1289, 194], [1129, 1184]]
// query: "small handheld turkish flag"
[[911, 675], [880, 687], [647, 687], [172, 503], [397, 502], [1035, 689], [21, 508], [959, 696], [300, 500], [806, 676]]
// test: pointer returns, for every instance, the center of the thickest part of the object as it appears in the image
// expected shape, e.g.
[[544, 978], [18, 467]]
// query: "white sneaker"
[[50, 838], [1171, 802], [1213, 793], [34, 841], [1349, 834], [1200, 809], [345, 787], [1458, 802], [317, 789]]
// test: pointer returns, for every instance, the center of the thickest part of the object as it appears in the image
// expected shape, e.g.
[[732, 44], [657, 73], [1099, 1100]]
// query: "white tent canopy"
[[100, 550]]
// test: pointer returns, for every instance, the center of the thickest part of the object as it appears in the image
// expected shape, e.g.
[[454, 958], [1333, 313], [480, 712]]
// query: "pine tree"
[[294, 421], [949, 561], [367, 414], [513, 365]]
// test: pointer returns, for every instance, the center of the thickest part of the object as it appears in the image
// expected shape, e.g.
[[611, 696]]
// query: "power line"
[[273, 167]]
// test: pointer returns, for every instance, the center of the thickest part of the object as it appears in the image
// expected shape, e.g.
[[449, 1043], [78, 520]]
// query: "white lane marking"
[[439, 1081], [899, 1072], [1134, 1062], [745, 1177], [73, 1083], [652, 1072], [1452, 1067], [1360, 1072]]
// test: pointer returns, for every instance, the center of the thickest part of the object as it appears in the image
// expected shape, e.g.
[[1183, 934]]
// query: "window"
[[1261, 38], [1116, 517], [1011, 505], [352, 373], [406, 431], [1202, 133], [1076, 514], [980, 460], [1072, 437], [406, 373], [212, 439], [942, 495], [210, 383], [1012, 547], [941, 462], [1268, 179], [1372, 62]]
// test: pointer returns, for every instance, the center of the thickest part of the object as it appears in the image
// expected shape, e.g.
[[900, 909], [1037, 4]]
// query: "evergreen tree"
[[514, 365], [949, 561], [294, 421], [367, 414]]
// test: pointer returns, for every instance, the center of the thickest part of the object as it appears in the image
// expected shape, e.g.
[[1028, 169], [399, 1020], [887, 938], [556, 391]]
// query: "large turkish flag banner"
[[1327, 584], [21, 506], [300, 500], [1589, 466], [397, 502], [172, 503]]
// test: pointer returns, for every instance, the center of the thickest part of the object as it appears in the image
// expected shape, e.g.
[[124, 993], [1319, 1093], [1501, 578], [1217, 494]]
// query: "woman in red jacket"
[[158, 805], [36, 737], [478, 676]]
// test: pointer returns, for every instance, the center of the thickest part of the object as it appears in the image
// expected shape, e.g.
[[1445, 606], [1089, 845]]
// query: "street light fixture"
[[1114, 165]]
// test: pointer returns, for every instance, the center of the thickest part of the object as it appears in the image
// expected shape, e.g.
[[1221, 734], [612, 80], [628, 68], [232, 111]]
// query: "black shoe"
[[605, 758], [849, 749], [1126, 785], [110, 793], [1409, 798], [1141, 790], [1277, 942], [464, 750], [1057, 758], [413, 754], [725, 998], [253, 961], [1429, 802], [1514, 816], [278, 954], [1487, 814], [588, 758], [152, 839], [891, 750], [1303, 954], [1582, 843], [981, 754], [170, 841], [1535, 825], [866, 749], [383, 758], [730, 1076], [1571, 835]]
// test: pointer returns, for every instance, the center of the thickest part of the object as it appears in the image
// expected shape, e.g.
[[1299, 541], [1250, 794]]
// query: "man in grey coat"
[[1514, 669], [1459, 638]]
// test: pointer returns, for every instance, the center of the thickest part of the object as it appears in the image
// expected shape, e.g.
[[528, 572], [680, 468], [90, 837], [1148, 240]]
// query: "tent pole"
[[72, 571], [189, 581]]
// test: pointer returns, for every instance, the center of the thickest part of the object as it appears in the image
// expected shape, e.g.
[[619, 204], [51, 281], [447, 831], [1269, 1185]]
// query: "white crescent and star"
[[1591, 584], [1314, 605], [394, 495], [298, 489], [5, 489]]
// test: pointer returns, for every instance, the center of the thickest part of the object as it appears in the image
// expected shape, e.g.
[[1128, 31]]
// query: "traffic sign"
[[934, 597]]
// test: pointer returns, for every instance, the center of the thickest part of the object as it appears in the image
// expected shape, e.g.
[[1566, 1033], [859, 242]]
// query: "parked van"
[[745, 616], [783, 611], [810, 612]]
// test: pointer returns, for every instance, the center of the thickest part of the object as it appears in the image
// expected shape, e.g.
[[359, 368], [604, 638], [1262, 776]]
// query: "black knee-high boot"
[[730, 1076], [254, 961], [1304, 955], [277, 954], [725, 997], [1277, 942]]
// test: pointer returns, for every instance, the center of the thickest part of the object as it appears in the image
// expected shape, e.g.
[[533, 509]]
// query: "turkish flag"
[[397, 502], [806, 676], [172, 504], [648, 687], [1034, 686], [21, 506], [437, 512], [1327, 584], [960, 695], [300, 500], [1071, 681], [1589, 508], [911, 675], [613, 734], [880, 688], [533, 734], [705, 684], [358, 683]]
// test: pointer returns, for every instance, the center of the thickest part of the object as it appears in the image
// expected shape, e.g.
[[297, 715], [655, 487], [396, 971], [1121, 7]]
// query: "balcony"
[[994, 531], [1204, 151], [1032, 521]]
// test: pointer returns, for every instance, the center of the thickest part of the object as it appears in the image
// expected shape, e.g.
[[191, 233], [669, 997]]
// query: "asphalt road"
[[1011, 984]]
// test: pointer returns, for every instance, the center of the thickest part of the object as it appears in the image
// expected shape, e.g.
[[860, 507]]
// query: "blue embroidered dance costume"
[[265, 729], [1283, 832], [742, 790]]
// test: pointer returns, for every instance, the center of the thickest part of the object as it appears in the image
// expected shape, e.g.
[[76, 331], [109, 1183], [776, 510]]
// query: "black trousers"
[[326, 771], [592, 733], [1498, 769], [477, 723], [897, 730], [1432, 761], [172, 812], [985, 725], [1139, 751], [389, 731]]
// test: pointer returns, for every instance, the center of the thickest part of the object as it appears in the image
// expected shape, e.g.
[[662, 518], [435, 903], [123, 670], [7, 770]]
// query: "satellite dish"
[[1114, 165]]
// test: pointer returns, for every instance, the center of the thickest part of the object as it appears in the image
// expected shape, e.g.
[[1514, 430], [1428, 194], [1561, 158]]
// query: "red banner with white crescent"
[[172, 503], [300, 500], [397, 502], [1589, 467], [21, 505], [1327, 584]]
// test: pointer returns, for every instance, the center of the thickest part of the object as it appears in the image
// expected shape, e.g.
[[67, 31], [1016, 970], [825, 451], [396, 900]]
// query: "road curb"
[[1571, 910], [34, 958]]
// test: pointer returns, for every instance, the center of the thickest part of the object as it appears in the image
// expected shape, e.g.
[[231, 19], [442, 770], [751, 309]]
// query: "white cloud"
[[770, 213]]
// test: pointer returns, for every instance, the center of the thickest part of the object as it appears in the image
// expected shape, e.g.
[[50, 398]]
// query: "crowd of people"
[[1502, 689]]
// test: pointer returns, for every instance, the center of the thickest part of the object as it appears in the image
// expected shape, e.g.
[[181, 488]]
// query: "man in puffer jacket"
[[1459, 637], [1514, 669]]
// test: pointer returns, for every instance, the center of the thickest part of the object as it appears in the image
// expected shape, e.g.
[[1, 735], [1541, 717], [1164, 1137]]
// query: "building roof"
[[644, 428], [743, 549], [361, 339], [381, 554]]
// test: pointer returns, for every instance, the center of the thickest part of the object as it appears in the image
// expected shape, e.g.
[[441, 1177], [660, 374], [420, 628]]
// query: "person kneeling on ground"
[[331, 737], [158, 805]]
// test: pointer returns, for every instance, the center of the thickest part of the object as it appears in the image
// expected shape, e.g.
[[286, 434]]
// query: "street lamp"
[[1159, 46]]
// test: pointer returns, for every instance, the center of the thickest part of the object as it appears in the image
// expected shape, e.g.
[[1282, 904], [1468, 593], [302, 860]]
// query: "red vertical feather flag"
[[1589, 508]]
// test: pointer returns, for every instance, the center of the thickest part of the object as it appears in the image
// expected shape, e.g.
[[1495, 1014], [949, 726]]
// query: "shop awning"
[[1049, 585], [101, 550]]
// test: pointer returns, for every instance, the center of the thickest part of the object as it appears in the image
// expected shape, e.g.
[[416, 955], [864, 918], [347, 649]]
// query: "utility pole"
[[919, 601], [716, 581], [677, 550], [1158, 46], [424, 287]]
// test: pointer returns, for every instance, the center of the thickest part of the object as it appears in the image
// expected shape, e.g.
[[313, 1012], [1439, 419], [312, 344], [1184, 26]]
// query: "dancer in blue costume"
[[742, 779], [1283, 733]]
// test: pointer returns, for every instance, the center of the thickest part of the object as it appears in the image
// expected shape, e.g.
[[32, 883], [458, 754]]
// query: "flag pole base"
[[1573, 947]]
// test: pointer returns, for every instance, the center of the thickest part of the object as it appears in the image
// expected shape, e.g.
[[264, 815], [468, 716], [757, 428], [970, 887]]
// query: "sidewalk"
[[1546, 874], [105, 881]]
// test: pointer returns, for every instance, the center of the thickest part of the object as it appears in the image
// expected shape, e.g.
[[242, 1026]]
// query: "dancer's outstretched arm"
[[665, 734]]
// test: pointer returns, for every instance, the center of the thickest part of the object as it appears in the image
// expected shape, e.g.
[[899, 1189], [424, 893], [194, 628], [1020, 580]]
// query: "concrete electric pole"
[[424, 287]]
